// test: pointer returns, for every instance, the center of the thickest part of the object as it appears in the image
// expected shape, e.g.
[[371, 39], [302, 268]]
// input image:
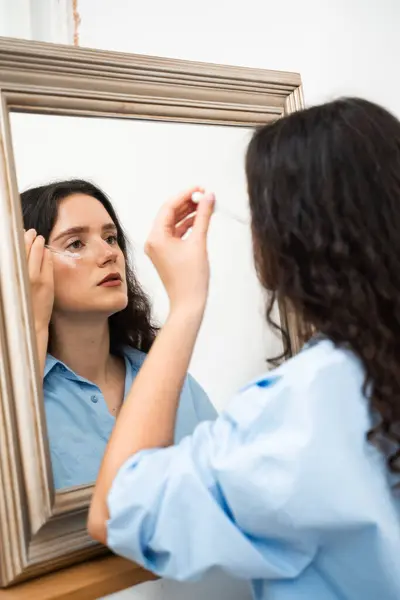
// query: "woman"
[[92, 322], [294, 485]]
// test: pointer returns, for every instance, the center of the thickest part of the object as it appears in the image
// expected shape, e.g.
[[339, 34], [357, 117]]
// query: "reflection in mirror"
[[90, 190]]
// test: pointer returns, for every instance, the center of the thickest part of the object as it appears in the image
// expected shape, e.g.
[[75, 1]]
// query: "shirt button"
[[94, 399]]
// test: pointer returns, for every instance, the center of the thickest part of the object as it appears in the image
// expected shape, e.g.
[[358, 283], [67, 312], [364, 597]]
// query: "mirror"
[[147, 127], [138, 165]]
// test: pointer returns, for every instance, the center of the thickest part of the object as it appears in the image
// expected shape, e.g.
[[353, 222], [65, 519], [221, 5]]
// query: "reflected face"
[[94, 282]]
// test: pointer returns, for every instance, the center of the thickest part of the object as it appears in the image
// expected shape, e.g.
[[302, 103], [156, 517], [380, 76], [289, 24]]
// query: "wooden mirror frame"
[[41, 530]]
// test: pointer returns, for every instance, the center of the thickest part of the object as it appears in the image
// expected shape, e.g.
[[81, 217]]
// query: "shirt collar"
[[135, 357], [51, 362]]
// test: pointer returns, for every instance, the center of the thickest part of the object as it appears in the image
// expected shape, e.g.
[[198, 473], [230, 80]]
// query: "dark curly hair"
[[324, 190], [130, 327]]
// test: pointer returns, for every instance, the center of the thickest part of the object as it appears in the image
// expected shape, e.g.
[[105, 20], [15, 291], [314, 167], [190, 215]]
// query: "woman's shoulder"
[[312, 365], [322, 384], [319, 362]]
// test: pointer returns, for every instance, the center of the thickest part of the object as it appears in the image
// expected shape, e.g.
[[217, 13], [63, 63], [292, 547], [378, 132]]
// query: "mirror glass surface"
[[138, 165]]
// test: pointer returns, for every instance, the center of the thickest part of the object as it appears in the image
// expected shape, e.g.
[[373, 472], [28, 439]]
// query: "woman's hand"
[[40, 270], [182, 261]]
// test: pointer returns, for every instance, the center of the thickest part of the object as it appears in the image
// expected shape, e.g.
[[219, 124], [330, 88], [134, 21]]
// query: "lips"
[[112, 279]]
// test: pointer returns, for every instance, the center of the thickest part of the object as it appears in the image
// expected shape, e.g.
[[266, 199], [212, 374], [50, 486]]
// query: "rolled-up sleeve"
[[214, 500]]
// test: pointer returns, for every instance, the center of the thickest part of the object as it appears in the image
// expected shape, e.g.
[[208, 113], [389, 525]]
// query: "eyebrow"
[[84, 229]]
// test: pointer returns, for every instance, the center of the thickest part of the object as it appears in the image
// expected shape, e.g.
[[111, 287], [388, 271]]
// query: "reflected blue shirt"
[[79, 423], [283, 489]]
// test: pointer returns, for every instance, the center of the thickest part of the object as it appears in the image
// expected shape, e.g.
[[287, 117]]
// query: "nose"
[[106, 253]]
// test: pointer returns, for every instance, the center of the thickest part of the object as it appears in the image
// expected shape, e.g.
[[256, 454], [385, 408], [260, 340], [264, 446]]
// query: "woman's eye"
[[76, 245], [112, 239]]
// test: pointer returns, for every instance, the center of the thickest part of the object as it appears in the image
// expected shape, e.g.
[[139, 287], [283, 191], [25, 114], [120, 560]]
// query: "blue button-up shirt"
[[79, 423], [283, 489]]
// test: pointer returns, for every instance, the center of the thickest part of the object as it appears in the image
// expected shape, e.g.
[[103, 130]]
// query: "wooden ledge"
[[87, 581]]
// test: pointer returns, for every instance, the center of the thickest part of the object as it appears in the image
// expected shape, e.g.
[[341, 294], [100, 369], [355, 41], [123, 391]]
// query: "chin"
[[114, 305]]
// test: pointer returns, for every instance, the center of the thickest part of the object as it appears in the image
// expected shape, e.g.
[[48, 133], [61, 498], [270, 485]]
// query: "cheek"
[[121, 265], [68, 280], [121, 260]]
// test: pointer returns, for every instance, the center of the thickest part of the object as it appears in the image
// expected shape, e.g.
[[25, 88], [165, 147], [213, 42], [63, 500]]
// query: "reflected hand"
[[40, 270], [182, 260]]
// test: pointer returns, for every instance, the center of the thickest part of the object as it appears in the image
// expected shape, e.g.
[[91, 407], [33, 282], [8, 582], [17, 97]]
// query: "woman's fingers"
[[203, 216], [182, 264], [41, 278], [47, 265], [199, 213], [175, 210], [29, 236], [184, 226], [36, 258], [189, 209], [184, 197], [180, 214]]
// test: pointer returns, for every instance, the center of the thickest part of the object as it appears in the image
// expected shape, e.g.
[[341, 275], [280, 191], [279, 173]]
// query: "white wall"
[[41, 20], [338, 46]]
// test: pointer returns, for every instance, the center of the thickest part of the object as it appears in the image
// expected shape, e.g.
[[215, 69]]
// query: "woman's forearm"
[[147, 418]]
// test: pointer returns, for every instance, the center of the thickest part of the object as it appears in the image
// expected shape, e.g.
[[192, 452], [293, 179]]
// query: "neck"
[[83, 345]]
